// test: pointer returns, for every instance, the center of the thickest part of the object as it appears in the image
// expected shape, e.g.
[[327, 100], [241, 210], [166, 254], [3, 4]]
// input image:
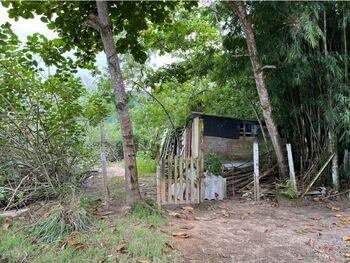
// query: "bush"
[[213, 164]]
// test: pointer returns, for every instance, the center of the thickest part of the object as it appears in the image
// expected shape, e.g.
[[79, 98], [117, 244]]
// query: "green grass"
[[145, 166], [140, 228], [117, 187]]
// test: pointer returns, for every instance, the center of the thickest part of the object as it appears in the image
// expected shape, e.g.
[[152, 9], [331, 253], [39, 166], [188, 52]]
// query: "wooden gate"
[[179, 181]]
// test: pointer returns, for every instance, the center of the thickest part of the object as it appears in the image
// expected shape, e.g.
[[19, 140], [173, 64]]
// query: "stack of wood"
[[241, 180]]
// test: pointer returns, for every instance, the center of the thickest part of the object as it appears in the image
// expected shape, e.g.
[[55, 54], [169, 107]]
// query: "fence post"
[[158, 176], [256, 171], [291, 167]]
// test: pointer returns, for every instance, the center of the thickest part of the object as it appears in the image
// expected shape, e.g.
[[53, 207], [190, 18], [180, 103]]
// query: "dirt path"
[[246, 232]]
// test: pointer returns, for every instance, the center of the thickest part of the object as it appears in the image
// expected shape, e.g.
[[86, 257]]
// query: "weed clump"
[[61, 221], [147, 212]]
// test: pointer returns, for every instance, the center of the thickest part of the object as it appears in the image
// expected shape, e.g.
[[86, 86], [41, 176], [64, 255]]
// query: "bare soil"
[[247, 231], [234, 231]]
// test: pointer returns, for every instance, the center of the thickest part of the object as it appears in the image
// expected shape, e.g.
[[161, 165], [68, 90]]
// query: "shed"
[[185, 149]]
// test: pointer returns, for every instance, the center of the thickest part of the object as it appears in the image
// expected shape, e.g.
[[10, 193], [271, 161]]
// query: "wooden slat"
[[198, 180], [186, 181], [192, 198], [201, 188], [162, 181], [158, 176], [170, 166], [175, 179], [181, 164]]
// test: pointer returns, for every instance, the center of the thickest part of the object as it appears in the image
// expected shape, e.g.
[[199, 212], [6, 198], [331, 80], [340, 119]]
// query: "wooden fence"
[[179, 181]]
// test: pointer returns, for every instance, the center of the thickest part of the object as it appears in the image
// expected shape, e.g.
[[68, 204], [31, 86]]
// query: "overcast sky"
[[25, 27]]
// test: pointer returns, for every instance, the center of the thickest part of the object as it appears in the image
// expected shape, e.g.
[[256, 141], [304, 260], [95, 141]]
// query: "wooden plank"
[[170, 167], [175, 179], [181, 164], [198, 180], [162, 180], [291, 167], [192, 173], [186, 181], [158, 176], [256, 171], [201, 188]]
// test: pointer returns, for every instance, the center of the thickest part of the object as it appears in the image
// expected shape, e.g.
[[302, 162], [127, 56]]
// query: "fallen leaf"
[[311, 243], [180, 234], [334, 208], [122, 247], [102, 213], [6, 226], [167, 248], [346, 238], [187, 208], [324, 248], [347, 255], [143, 261], [187, 227], [345, 219], [174, 214], [71, 242], [135, 223], [338, 224], [337, 215], [331, 258]]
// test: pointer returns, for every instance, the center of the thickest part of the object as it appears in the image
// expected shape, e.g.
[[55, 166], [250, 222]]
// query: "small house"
[[180, 169]]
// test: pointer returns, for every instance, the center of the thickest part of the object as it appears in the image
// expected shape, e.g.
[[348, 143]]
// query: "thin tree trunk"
[[333, 140], [240, 8], [102, 24], [104, 162]]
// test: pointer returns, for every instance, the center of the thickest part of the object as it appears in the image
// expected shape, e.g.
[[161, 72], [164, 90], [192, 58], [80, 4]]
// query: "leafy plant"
[[213, 164], [291, 192]]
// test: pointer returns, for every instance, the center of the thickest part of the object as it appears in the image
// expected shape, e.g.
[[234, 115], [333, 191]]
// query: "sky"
[[25, 27]]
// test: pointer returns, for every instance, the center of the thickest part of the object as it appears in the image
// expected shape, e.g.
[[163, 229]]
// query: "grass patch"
[[118, 187], [140, 229], [145, 165]]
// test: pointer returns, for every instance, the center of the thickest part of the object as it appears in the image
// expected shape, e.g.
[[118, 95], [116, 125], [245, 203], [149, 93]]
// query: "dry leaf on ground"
[[167, 248], [347, 255], [187, 208], [346, 238], [345, 219], [174, 214], [338, 224], [180, 234], [324, 248], [71, 242], [311, 243], [5, 226], [338, 215], [122, 247], [143, 261]]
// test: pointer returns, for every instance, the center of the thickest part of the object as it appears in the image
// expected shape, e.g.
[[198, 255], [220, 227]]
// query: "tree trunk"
[[240, 8], [104, 162], [333, 140], [102, 24]]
